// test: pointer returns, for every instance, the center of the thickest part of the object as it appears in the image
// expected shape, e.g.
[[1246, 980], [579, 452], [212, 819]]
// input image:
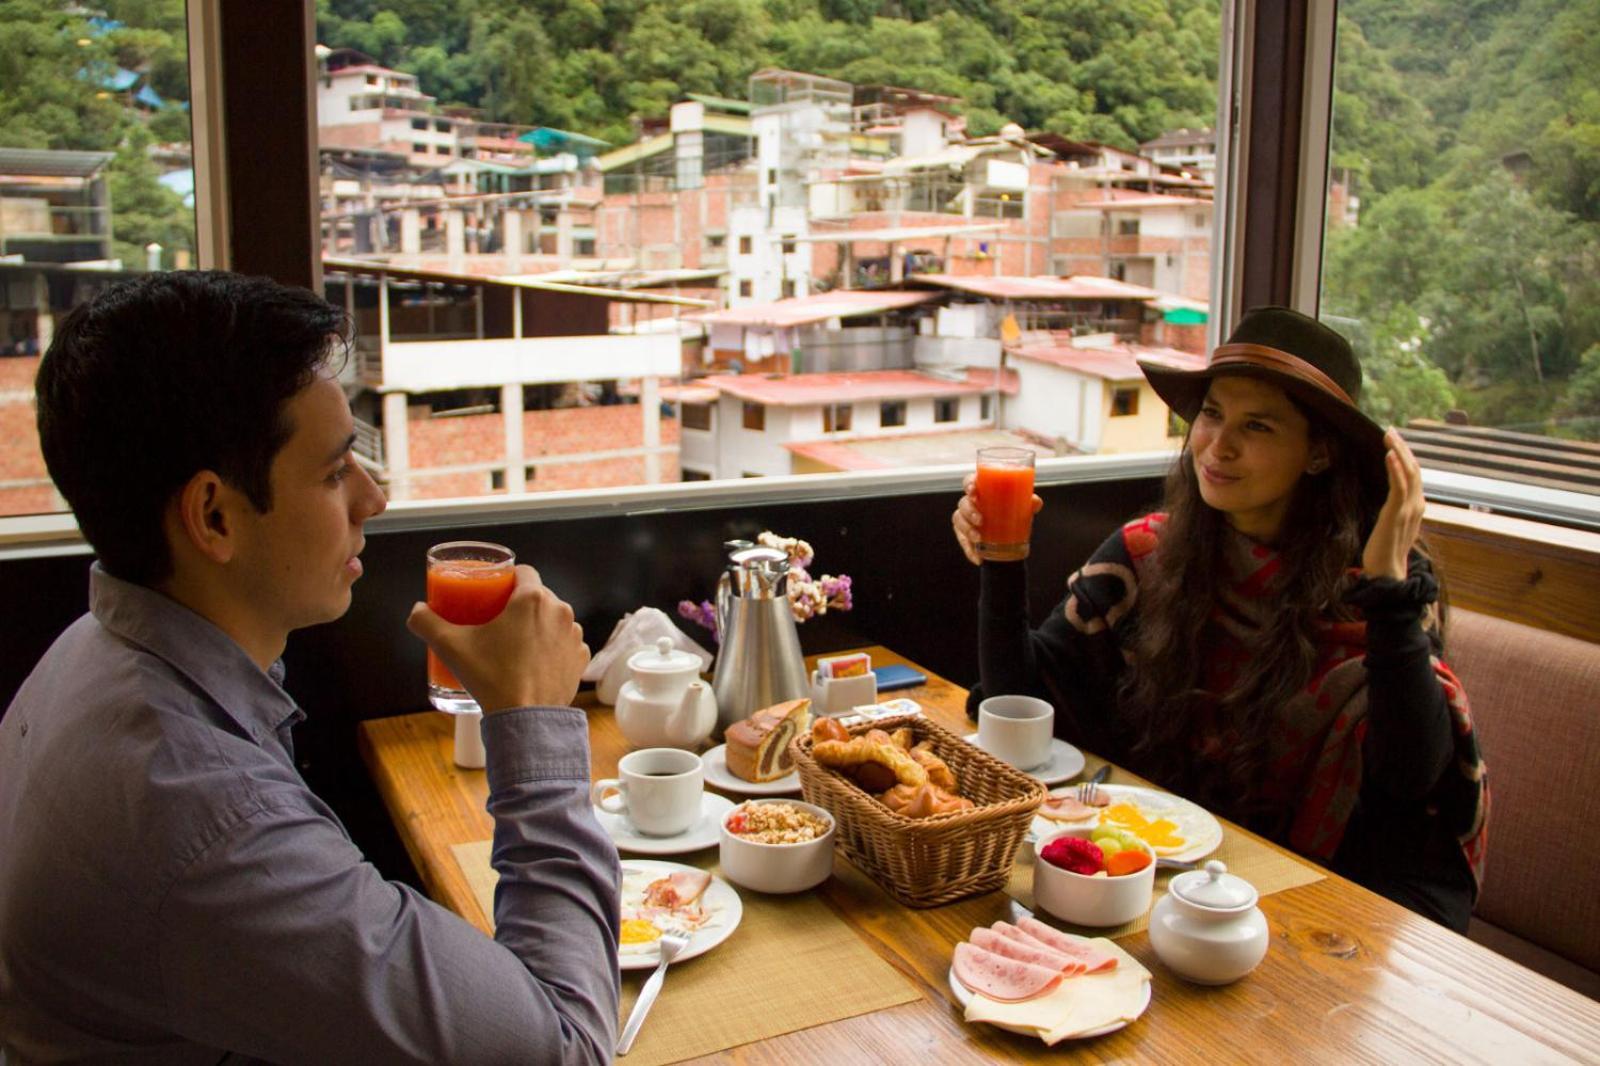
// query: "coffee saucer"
[[706, 832], [1066, 761]]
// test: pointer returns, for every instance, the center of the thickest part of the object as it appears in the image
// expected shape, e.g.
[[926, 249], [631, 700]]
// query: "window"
[[947, 409], [892, 413], [716, 240], [696, 416], [836, 417], [745, 288], [687, 474], [788, 244], [788, 288], [1127, 227], [419, 124], [419, 149], [1124, 401], [744, 245], [497, 480], [1459, 237], [755, 417], [583, 246], [528, 473], [103, 189], [985, 407]]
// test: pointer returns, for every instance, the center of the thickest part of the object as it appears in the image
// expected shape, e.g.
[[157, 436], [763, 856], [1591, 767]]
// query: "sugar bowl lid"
[[1214, 888], [663, 658]]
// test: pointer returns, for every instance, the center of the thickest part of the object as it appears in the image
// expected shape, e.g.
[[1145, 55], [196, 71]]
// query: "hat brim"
[[1184, 390]]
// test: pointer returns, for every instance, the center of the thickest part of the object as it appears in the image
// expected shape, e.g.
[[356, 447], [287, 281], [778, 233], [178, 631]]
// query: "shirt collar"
[[198, 649]]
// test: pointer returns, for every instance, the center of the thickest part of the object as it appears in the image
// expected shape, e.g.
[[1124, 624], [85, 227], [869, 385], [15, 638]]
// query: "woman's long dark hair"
[[1164, 695]]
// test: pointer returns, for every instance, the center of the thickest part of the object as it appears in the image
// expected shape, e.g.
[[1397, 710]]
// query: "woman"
[[1228, 647]]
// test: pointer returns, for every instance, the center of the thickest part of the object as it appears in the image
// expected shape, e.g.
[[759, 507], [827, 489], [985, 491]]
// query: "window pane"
[[96, 185], [943, 227], [1463, 231]]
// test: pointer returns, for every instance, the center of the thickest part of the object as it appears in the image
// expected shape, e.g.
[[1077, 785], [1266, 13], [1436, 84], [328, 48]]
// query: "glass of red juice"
[[469, 582], [1005, 499]]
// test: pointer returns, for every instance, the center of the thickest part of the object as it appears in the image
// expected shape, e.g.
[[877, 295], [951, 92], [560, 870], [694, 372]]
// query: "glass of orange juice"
[[469, 583], [1005, 499]]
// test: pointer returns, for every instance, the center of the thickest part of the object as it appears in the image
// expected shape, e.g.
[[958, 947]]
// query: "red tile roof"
[[803, 390]]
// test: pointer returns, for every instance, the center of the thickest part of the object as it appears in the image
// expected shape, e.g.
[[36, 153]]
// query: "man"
[[170, 889]]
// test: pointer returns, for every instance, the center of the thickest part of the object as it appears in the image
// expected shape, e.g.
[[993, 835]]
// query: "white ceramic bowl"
[[1096, 901], [778, 867]]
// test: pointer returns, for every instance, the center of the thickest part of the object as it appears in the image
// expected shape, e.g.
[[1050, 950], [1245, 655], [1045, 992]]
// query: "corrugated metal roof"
[[805, 390], [1115, 362], [524, 281], [1075, 287], [803, 310], [899, 233], [52, 163], [1139, 203], [956, 155], [634, 152]]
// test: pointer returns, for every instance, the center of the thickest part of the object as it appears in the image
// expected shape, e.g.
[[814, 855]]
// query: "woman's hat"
[[1308, 360]]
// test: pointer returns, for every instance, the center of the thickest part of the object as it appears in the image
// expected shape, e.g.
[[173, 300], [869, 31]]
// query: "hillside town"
[[819, 277]]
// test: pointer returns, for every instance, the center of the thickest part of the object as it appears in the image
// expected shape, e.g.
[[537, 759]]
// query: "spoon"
[[671, 944]]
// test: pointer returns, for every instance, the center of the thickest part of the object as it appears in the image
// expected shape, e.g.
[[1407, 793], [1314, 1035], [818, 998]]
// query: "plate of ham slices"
[[1034, 979], [668, 897]]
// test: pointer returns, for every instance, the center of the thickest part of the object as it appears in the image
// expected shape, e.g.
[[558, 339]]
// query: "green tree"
[[143, 210]]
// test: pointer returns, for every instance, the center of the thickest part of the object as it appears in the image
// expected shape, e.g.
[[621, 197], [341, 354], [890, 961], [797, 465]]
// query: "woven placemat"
[[791, 964], [1265, 867]]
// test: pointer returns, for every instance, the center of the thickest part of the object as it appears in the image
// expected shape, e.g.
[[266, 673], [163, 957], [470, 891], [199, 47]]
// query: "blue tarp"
[[550, 139], [149, 98]]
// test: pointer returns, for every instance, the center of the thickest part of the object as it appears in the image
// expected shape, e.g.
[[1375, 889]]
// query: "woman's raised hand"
[[967, 519], [1400, 519]]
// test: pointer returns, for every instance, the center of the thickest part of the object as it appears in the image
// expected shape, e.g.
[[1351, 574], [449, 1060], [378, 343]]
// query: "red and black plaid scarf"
[[1314, 750]]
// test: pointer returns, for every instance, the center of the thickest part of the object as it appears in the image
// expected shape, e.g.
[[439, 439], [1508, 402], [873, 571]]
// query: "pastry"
[[870, 763], [758, 746], [923, 801], [939, 772], [828, 729]]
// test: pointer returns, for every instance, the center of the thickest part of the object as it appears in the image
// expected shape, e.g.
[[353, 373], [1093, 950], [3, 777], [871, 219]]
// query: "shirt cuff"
[[535, 744]]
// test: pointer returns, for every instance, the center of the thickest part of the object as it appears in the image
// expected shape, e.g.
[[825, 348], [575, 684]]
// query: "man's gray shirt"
[[172, 891]]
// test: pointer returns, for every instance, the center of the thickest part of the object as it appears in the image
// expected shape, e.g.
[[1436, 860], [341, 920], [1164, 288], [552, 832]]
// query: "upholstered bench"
[[1536, 705]]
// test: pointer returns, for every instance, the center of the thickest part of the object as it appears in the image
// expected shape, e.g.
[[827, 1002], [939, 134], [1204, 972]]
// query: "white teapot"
[[665, 704], [1207, 927]]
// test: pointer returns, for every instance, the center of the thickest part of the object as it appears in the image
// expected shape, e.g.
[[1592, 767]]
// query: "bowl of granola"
[[777, 845]]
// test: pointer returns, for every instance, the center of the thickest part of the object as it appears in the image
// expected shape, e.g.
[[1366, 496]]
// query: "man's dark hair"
[[162, 376]]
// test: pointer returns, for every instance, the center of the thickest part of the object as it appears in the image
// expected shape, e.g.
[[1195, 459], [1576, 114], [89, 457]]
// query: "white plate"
[[1195, 824], [718, 774], [1066, 761], [963, 996], [719, 898], [705, 833]]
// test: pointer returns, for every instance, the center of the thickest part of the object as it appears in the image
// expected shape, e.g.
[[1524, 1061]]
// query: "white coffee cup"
[[658, 790], [1017, 729]]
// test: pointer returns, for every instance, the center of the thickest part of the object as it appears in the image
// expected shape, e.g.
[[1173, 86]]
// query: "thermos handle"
[[724, 595]]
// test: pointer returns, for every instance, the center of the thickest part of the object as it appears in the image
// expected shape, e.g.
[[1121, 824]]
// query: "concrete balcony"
[[435, 365]]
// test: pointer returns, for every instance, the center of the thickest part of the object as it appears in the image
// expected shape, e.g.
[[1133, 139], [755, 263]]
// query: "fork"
[[671, 944], [1089, 791]]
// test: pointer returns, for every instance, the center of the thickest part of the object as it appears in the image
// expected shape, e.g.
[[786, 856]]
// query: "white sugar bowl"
[[1207, 928]]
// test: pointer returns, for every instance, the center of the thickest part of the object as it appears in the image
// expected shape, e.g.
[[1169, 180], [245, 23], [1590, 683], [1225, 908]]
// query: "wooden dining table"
[[1349, 976]]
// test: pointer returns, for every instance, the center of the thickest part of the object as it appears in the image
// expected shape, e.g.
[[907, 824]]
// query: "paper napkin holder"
[[837, 695]]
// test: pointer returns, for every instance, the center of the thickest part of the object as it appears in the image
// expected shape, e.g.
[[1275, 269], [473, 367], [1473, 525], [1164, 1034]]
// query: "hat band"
[[1275, 359]]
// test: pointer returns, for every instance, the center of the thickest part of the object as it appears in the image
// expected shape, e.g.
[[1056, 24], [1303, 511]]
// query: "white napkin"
[[637, 629]]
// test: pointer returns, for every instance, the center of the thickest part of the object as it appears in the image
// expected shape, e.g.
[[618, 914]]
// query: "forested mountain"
[[1120, 72], [1475, 128]]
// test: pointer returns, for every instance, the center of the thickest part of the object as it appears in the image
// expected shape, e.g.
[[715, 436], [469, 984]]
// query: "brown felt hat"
[[1308, 360]]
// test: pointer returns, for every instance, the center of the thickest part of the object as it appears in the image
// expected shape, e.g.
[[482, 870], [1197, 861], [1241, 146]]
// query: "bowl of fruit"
[[1105, 879]]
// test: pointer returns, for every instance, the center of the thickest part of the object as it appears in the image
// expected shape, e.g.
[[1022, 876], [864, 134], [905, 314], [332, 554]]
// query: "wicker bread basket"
[[926, 862]]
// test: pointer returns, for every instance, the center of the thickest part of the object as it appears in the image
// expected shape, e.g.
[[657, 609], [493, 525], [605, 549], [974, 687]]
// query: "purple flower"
[[703, 613]]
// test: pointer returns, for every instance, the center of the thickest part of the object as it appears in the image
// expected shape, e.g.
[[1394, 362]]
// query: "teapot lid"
[[1214, 888], [663, 659]]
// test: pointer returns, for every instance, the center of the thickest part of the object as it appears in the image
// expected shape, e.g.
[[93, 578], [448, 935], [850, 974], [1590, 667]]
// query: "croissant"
[[870, 763], [923, 801], [939, 772]]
